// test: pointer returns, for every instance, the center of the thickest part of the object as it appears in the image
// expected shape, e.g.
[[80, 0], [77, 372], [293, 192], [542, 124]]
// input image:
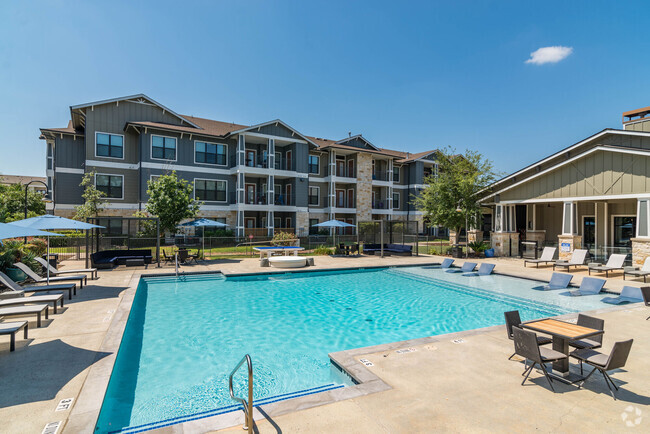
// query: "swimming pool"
[[185, 334]]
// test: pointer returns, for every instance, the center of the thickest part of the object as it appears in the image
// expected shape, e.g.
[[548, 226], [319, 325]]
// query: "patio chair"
[[514, 320], [466, 268], [20, 290], [38, 279], [629, 294], [603, 363], [592, 342], [577, 259], [183, 255], [547, 256], [167, 258], [526, 346], [21, 301], [645, 292], [615, 262], [558, 281], [484, 269], [55, 271], [634, 271], [588, 286], [11, 328]]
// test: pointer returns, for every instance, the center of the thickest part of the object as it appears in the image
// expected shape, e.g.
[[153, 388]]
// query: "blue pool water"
[[185, 334]]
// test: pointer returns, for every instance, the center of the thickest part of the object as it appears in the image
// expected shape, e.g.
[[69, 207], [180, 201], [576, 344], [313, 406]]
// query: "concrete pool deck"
[[55, 363]]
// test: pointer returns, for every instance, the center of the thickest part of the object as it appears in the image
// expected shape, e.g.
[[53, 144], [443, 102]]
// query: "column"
[[271, 157], [241, 151], [641, 242], [239, 201], [569, 240]]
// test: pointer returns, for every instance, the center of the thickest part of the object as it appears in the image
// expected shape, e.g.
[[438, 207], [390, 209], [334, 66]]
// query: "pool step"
[[226, 409]]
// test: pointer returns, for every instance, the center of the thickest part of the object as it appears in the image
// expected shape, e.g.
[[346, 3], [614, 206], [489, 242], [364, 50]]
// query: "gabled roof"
[[415, 157], [76, 111], [67, 130], [357, 137], [206, 127], [275, 121]]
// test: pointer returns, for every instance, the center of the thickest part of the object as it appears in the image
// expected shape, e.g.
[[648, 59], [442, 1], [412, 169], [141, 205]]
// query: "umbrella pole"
[[48, 260], [204, 243]]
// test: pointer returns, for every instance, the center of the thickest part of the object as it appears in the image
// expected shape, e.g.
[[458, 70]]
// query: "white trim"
[[194, 169], [317, 196], [276, 138], [570, 160], [111, 134], [275, 121], [606, 223], [211, 143], [215, 180], [613, 217], [358, 136], [638, 208], [249, 218], [318, 165], [399, 173], [582, 228], [578, 199], [111, 174], [569, 149], [254, 151], [68, 170], [112, 165], [399, 201], [347, 201], [151, 136]]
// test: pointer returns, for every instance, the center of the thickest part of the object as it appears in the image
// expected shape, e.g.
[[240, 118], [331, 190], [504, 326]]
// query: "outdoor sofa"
[[393, 249], [110, 258]]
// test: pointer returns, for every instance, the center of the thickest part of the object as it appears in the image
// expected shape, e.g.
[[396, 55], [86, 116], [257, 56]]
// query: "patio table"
[[562, 333], [267, 251]]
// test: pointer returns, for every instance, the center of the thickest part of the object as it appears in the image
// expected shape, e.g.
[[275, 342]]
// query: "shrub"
[[38, 246], [283, 239], [478, 246], [322, 250], [15, 251], [220, 233]]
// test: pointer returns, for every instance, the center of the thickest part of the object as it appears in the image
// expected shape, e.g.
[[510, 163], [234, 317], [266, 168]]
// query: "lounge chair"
[[514, 320], [526, 346], [446, 263], [634, 271], [592, 342], [484, 269], [603, 363], [6, 281], [11, 328], [19, 301], [55, 272], [577, 259], [558, 281], [167, 258], [38, 279], [466, 268], [36, 309], [629, 294], [645, 291], [615, 262], [547, 256], [588, 286]]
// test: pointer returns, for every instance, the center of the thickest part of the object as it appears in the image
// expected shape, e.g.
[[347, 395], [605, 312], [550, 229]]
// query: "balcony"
[[345, 172], [262, 199], [318, 202], [380, 175]]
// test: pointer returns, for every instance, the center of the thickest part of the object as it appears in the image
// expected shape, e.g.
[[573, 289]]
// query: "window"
[[314, 163], [220, 220], [109, 145], [396, 174], [313, 230], [163, 148], [642, 227], [49, 186], [396, 201], [211, 191], [210, 153], [624, 230], [50, 156], [111, 226], [111, 185], [314, 192]]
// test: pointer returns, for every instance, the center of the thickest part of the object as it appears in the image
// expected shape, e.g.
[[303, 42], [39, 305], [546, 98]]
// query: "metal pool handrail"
[[248, 406]]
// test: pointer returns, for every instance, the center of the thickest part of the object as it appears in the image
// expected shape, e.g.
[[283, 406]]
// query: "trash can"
[[310, 261], [456, 251], [264, 262]]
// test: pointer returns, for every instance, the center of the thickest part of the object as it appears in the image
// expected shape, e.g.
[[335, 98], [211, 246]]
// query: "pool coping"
[[85, 412]]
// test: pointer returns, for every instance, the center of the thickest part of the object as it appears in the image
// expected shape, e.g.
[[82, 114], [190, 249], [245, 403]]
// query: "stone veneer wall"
[[364, 186], [302, 222], [502, 242], [640, 251], [574, 241]]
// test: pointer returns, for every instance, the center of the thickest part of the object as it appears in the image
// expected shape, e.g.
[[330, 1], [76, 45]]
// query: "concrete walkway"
[[442, 385]]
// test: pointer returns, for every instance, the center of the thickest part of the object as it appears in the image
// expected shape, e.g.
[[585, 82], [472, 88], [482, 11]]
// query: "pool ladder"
[[248, 405]]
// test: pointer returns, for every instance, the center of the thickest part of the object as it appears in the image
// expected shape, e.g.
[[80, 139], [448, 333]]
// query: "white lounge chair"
[[35, 299], [577, 259], [16, 288], [615, 262], [11, 328], [629, 294], [634, 271], [36, 309], [55, 271], [547, 256], [38, 279]]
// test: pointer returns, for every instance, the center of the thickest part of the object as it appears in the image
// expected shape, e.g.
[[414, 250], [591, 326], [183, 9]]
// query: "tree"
[[93, 198], [12, 203], [171, 200], [455, 186]]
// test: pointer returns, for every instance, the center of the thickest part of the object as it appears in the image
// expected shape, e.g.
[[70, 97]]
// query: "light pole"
[[459, 209], [46, 196]]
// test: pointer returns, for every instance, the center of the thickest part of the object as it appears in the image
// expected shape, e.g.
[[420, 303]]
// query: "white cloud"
[[549, 55]]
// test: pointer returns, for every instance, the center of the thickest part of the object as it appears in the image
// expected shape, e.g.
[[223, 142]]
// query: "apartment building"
[[256, 178]]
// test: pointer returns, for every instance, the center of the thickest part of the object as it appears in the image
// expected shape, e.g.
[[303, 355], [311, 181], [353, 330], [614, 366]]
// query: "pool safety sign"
[[406, 350], [64, 404], [366, 362], [565, 247], [51, 428]]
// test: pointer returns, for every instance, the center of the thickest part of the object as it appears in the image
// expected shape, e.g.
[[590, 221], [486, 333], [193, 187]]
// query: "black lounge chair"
[[514, 320], [526, 346], [603, 363], [645, 292]]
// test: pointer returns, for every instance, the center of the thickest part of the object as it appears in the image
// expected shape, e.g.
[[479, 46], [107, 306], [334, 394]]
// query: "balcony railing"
[[345, 172], [262, 199], [261, 162], [379, 176]]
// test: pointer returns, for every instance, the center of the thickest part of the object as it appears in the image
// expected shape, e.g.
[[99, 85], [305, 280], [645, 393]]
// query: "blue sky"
[[407, 75]]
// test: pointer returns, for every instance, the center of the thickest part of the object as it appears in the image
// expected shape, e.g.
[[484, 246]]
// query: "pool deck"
[[441, 385]]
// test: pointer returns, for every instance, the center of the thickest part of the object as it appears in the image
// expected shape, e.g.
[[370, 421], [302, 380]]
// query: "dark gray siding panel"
[[70, 152], [185, 149], [67, 189], [275, 130]]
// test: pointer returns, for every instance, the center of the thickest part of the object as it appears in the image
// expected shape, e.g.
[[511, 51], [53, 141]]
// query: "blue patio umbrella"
[[334, 224], [202, 223], [52, 222], [12, 231]]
